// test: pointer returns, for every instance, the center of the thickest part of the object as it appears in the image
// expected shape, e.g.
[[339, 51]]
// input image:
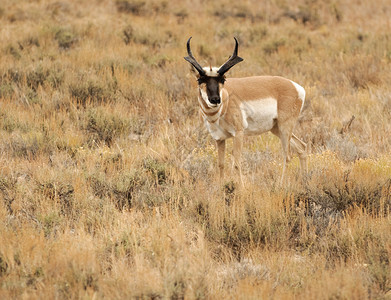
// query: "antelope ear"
[[193, 71]]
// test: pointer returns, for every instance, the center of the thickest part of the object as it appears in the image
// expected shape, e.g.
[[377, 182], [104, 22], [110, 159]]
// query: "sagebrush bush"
[[6, 91], [27, 145], [133, 7], [89, 91], [65, 38], [59, 192], [363, 71], [105, 127]]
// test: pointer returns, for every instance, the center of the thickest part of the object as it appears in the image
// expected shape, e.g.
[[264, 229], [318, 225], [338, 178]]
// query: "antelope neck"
[[212, 113]]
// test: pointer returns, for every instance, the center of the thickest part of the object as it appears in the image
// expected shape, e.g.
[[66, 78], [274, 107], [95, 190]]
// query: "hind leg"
[[300, 148], [285, 136], [288, 113]]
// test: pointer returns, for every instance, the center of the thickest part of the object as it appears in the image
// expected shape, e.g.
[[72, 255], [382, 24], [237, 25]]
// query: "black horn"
[[192, 60], [233, 60]]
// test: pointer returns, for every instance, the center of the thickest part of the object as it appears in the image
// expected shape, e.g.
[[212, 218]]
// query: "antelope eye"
[[222, 80], [201, 80]]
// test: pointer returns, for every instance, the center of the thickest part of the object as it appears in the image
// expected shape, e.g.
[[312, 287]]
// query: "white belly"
[[259, 115]]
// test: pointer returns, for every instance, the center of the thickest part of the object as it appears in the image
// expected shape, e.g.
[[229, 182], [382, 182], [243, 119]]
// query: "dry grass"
[[107, 178]]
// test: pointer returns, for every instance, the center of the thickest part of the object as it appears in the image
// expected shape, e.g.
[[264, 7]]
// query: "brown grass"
[[107, 178]]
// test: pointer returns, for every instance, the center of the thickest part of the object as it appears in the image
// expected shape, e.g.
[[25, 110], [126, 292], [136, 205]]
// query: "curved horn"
[[192, 60], [233, 60]]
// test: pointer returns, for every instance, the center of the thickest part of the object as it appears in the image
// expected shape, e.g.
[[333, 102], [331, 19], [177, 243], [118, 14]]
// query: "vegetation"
[[108, 184]]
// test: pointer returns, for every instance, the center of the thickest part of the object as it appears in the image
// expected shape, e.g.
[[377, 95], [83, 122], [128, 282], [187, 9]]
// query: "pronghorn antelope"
[[235, 107]]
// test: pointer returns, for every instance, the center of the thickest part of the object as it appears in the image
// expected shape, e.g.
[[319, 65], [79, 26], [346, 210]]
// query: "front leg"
[[237, 152], [221, 154]]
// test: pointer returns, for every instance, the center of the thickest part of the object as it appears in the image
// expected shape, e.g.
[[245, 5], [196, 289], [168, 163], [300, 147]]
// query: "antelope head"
[[211, 79]]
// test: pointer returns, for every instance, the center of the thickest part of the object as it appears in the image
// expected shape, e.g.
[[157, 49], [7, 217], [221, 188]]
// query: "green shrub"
[[90, 91], [13, 75], [363, 71], [105, 127], [65, 38], [131, 7], [36, 77], [6, 91], [124, 188], [272, 46], [51, 223], [28, 145], [7, 123], [14, 51], [158, 170]]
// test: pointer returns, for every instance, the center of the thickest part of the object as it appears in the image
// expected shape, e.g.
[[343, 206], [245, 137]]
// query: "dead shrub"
[[344, 146], [198, 165], [332, 201], [142, 187], [59, 192], [378, 257], [36, 77], [241, 270], [128, 34], [240, 231], [3, 266], [7, 191], [28, 42], [100, 187], [13, 75]]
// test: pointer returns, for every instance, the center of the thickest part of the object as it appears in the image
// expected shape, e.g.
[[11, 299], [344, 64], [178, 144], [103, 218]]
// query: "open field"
[[108, 179]]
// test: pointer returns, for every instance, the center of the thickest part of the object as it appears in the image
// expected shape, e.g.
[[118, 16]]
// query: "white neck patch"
[[212, 107]]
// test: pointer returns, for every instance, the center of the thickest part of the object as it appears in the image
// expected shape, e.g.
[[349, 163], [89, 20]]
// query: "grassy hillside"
[[108, 184]]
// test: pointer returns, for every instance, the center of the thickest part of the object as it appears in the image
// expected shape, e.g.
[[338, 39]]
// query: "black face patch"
[[212, 87], [205, 79]]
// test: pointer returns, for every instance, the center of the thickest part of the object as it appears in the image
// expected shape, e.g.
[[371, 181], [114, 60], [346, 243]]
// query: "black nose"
[[214, 100]]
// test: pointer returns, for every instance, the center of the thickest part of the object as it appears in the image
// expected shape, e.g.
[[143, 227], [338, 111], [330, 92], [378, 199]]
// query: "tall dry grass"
[[107, 178]]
